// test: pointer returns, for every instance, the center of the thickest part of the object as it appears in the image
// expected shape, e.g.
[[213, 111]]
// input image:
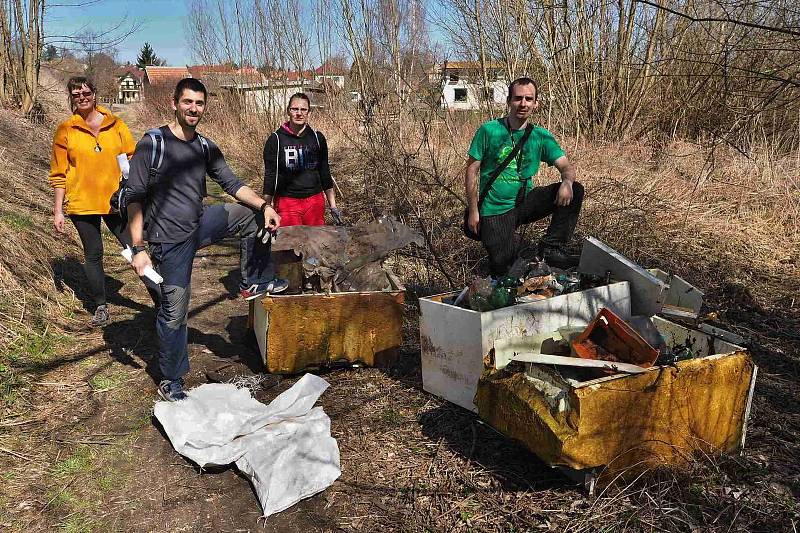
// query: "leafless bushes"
[[725, 70], [718, 75], [20, 51]]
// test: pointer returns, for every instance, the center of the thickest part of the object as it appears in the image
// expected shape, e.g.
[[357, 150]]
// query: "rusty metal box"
[[603, 425], [298, 331], [455, 341]]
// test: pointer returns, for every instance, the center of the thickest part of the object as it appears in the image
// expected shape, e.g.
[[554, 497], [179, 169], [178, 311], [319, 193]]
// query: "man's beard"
[[183, 122]]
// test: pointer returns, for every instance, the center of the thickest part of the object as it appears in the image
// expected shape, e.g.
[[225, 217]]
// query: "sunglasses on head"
[[85, 94]]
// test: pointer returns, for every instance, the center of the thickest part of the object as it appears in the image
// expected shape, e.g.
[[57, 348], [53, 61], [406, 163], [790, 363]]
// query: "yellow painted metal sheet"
[[312, 329], [658, 417]]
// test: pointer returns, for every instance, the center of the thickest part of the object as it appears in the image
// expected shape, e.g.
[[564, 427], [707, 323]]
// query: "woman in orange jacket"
[[84, 173]]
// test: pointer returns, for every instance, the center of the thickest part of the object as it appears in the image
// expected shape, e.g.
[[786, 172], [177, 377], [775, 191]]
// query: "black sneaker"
[[555, 257], [171, 390], [100, 317], [257, 290]]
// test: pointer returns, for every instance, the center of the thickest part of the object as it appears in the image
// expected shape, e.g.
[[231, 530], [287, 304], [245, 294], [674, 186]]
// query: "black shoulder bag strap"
[[507, 161], [499, 170]]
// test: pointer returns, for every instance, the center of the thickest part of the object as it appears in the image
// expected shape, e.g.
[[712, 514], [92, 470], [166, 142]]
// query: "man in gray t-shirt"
[[176, 224]]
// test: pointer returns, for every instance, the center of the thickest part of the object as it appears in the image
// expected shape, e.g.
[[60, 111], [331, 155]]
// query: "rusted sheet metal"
[[626, 421], [305, 330]]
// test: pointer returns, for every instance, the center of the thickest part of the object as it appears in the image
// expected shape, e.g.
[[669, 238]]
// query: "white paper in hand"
[[124, 165], [149, 272]]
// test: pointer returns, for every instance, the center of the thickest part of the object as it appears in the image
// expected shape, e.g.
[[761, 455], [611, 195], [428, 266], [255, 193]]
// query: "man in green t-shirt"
[[507, 205]]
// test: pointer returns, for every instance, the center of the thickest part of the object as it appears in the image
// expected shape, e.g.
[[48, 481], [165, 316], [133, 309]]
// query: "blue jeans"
[[174, 262]]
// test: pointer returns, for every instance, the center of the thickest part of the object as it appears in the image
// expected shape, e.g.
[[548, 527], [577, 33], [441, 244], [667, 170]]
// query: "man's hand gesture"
[[268, 222]]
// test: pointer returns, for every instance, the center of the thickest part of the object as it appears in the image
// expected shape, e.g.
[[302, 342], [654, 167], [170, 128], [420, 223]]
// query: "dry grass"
[[725, 222], [415, 462], [720, 219]]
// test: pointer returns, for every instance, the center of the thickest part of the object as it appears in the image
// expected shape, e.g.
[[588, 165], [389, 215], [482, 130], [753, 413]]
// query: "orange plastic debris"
[[610, 338]]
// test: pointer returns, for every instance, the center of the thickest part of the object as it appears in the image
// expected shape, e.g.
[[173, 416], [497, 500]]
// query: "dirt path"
[[409, 461]]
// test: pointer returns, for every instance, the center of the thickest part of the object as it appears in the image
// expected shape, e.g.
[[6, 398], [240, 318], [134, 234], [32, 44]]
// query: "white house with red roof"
[[328, 73], [129, 83]]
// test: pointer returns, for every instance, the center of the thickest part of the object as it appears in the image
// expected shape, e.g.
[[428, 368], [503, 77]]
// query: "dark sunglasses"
[[85, 94]]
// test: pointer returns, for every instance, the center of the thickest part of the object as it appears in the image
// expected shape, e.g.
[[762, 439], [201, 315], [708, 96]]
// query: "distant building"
[[328, 73], [129, 84], [271, 93], [461, 84], [162, 80]]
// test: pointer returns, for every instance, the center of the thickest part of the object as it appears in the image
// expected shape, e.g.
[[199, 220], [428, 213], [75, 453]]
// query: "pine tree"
[[147, 57], [50, 53]]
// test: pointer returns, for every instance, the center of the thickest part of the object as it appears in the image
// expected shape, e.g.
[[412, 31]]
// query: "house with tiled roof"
[[271, 93], [198, 71], [162, 79], [329, 74]]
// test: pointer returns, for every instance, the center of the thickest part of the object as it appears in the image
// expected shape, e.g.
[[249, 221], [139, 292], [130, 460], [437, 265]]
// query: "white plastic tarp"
[[284, 448]]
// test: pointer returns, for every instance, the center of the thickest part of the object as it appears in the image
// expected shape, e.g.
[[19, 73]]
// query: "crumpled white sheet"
[[284, 448]]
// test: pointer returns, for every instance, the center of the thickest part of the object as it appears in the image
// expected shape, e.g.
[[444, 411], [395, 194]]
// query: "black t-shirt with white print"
[[299, 162]]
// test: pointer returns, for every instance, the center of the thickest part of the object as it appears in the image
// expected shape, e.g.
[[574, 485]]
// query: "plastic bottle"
[[480, 289]]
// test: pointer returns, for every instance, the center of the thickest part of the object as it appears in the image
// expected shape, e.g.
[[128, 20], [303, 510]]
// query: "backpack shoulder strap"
[[206, 149], [157, 151]]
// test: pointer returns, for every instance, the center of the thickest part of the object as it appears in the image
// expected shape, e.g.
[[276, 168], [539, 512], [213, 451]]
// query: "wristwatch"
[[136, 249]]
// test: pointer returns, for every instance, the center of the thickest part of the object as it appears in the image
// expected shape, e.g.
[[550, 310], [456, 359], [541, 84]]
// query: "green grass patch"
[[15, 221], [32, 347], [78, 462], [214, 192], [78, 523], [106, 482], [11, 384], [392, 417], [64, 499], [106, 382], [141, 421]]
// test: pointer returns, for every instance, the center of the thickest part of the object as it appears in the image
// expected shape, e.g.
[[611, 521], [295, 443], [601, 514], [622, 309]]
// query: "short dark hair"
[[76, 82], [191, 84], [301, 96], [522, 81]]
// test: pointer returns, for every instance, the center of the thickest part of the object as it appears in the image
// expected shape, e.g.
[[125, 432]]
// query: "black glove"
[[336, 214], [263, 232]]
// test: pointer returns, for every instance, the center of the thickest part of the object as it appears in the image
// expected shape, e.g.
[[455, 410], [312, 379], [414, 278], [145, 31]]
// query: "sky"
[[160, 22]]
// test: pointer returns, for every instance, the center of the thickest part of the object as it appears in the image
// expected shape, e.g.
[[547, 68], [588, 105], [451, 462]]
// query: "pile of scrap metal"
[[341, 258], [611, 379]]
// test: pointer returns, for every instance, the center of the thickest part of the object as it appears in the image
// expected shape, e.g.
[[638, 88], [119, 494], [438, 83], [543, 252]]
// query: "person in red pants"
[[297, 178]]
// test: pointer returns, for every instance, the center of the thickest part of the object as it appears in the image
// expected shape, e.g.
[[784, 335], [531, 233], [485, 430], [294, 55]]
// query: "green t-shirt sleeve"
[[478, 144], [550, 148]]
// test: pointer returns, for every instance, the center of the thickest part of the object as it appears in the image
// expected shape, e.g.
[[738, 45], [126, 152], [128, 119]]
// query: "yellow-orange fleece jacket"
[[89, 177]]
